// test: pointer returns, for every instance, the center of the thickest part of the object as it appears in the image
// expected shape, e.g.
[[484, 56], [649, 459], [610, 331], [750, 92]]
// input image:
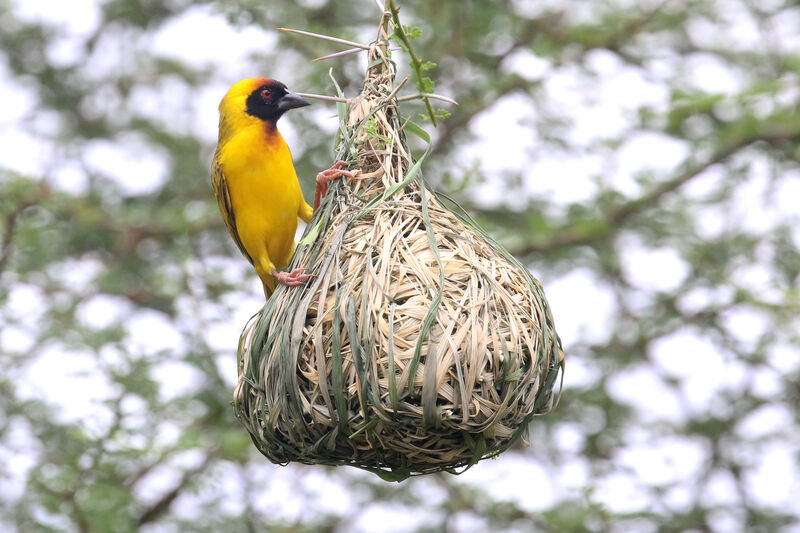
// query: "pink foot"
[[326, 176], [291, 279]]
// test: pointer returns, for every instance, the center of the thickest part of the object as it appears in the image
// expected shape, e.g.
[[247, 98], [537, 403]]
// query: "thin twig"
[[386, 15], [338, 54], [407, 120], [416, 64], [324, 97], [327, 38], [344, 53], [399, 86], [427, 95]]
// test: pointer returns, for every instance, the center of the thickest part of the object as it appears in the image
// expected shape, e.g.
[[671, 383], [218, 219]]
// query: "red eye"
[[266, 94]]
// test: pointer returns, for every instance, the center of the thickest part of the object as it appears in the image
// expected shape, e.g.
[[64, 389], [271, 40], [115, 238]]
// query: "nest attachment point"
[[419, 345]]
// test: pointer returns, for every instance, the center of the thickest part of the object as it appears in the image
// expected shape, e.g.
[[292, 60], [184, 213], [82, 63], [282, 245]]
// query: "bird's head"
[[259, 98]]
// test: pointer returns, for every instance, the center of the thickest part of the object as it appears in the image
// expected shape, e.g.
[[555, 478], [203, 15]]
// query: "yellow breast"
[[264, 190]]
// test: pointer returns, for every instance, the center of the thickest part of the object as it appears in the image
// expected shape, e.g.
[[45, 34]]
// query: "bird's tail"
[[269, 286]]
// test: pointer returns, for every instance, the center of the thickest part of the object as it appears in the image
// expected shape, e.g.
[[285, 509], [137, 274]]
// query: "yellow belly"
[[265, 196]]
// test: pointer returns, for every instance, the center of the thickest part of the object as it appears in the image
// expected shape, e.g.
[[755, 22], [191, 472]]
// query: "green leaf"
[[312, 234], [412, 32]]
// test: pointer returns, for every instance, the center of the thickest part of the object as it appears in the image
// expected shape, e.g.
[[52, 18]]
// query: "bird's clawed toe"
[[291, 279], [326, 176]]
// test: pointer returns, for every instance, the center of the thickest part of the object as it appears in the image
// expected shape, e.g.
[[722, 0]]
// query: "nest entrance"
[[420, 345]]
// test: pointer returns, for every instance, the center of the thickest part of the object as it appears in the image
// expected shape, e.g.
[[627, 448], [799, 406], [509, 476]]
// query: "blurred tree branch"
[[161, 506], [613, 219]]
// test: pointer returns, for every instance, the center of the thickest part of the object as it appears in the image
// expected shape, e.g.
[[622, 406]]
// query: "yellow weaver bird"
[[255, 182]]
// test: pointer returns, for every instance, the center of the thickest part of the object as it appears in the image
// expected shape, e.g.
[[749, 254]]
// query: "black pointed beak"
[[291, 101]]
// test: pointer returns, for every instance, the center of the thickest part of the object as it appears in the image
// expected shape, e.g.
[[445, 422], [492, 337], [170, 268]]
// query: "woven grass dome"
[[419, 345]]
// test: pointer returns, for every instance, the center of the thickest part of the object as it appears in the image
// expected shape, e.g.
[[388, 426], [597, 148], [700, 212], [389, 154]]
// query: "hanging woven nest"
[[419, 345]]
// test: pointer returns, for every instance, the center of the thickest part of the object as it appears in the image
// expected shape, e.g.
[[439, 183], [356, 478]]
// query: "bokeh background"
[[641, 157]]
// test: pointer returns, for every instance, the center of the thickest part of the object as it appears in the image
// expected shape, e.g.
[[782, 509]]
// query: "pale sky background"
[[71, 379]]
